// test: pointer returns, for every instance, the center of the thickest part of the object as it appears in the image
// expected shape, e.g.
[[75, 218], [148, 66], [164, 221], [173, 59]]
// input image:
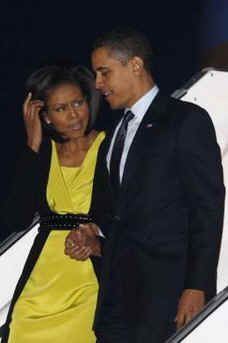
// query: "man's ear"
[[137, 65]]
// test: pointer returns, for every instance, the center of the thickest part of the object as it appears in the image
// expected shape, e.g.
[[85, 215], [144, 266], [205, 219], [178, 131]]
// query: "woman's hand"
[[80, 244], [31, 109], [75, 246]]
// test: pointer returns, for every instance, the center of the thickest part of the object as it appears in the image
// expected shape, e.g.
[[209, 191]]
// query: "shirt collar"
[[142, 105]]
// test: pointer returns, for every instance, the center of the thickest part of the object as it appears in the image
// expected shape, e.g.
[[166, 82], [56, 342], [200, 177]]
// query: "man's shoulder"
[[182, 105], [172, 111], [181, 110]]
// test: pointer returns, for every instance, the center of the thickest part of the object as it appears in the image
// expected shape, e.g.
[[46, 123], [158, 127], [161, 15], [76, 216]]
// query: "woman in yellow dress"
[[56, 296]]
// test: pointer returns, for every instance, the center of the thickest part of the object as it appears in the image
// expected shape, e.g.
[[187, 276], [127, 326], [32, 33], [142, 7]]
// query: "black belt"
[[67, 221]]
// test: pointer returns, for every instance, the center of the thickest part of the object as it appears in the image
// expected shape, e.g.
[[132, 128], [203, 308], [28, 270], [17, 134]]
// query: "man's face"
[[115, 80]]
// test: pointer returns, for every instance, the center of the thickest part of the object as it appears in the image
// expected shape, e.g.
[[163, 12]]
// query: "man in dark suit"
[[162, 212]]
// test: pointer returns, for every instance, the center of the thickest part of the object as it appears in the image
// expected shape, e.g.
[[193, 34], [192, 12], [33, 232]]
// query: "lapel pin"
[[149, 125]]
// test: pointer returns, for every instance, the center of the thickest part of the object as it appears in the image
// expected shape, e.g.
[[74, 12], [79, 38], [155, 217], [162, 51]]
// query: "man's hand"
[[82, 243], [190, 304]]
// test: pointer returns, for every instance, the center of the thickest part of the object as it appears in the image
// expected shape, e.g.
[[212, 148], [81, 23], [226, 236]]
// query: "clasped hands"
[[83, 242]]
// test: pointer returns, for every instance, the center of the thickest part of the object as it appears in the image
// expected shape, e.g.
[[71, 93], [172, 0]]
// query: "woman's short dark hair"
[[42, 81], [125, 43]]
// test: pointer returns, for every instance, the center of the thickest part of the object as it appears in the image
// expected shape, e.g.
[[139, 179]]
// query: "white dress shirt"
[[138, 109]]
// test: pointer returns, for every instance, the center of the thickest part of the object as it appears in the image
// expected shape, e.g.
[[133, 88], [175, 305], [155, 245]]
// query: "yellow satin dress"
[[58, 302]]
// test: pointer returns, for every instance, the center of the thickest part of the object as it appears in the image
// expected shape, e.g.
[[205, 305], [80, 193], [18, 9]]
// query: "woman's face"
[[68, 110]]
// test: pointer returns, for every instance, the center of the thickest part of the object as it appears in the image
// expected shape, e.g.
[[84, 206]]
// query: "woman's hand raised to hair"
[[31, 109]]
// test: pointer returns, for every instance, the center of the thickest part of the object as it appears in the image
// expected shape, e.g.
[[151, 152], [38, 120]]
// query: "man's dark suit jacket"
[[163, 232]]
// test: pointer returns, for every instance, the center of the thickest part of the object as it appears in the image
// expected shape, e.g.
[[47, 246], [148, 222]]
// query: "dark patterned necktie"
[[118, 150]]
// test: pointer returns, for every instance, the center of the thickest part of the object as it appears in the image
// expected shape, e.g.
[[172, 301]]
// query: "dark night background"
[[184, 35]]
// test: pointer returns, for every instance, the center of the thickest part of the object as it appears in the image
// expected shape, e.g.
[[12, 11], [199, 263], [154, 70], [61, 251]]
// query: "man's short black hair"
[[42, 81], [126, 43]]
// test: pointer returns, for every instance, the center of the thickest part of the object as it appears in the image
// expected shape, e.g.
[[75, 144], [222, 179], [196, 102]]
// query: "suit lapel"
[[146, 134]]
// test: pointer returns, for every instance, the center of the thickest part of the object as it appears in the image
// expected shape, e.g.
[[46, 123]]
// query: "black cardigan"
[[26, 197], [28, 192]]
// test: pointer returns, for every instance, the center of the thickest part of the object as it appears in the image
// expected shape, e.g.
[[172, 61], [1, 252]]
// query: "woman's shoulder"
[[98, 137]]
